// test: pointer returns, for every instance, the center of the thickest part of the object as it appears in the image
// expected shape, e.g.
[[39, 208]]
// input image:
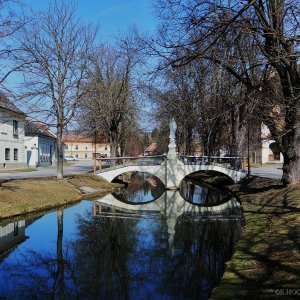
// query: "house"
[[12, 149], [151, 150], [270, 152], [11, 235], [39, 144], [82, 146]]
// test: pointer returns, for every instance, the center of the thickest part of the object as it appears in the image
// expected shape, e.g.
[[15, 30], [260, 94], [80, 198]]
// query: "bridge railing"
[[236, 163], [119, 162]]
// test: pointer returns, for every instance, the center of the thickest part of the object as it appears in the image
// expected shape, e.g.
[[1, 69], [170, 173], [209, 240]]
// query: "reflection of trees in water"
[[202, 194], [143, 187], [115, 258], [41, 275], [200, 252], [93, 266], [100, 256]]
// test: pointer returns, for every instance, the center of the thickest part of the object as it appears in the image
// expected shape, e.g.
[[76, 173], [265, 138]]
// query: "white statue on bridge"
[[172, 143], [173, 127]]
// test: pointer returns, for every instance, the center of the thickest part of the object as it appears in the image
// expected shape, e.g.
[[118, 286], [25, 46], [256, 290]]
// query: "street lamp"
[[95, 149]]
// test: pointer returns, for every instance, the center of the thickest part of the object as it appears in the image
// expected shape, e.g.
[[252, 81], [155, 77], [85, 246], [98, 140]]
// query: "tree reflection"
[[59, 276], [100, 255], [201, 249], [202, 194], [40, 275], [143, 187], [126, 254]]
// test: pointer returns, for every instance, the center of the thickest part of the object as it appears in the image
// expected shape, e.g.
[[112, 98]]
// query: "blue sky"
[[113, 16]]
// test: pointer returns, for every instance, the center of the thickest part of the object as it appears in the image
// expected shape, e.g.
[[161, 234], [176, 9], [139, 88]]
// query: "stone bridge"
[[172, 172], [170, 169]]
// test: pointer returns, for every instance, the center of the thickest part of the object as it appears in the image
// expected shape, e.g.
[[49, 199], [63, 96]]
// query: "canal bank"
[[266, 261], [24, 196]]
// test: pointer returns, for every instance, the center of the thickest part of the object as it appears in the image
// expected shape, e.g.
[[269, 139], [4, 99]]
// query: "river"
[[141, 242]]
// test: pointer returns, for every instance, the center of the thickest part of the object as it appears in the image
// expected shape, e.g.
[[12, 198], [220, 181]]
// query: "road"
[[274, 172], [77, 167]]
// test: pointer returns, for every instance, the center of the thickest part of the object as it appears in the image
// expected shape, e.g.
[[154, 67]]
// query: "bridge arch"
[[173, 173], [211, 173], [187, 169], [157, 170]]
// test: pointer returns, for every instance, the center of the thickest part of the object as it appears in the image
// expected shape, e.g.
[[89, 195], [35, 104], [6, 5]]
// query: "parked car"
[[105, 163], [69, 157]]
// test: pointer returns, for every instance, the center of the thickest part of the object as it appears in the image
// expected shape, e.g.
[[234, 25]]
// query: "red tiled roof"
[[6, 104], [45, 128], [152, 148], [35, 129], [79, 138]]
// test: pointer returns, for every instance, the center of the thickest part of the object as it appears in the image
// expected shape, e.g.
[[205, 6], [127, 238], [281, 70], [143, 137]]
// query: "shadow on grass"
[[4, 187], [267, 259]]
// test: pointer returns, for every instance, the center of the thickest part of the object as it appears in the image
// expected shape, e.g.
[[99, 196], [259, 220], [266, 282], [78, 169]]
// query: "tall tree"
[[110, 103], [208, 29], [55, 47], [11, 21]]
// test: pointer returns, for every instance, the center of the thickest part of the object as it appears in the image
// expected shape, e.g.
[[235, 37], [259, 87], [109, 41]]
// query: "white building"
[[12, 154], [39, 144], [270, 152], [11, 235]]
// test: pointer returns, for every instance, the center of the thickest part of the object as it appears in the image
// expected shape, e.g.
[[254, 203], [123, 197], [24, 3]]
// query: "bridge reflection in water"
[[171, 206], [181, 247]]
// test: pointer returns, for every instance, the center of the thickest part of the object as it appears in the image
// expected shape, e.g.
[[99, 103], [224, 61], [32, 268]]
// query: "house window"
[[86, 147], [15, 128], [7, 154], [76, 155], [66, 147], [85, 155], [105, 148], [76, 147], [15, 154]]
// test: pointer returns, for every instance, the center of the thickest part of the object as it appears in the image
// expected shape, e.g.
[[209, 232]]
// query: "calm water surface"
[[111, 249]]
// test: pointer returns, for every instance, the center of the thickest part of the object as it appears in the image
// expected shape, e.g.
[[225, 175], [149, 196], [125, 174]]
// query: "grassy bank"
[[18, 197], [266, 262]]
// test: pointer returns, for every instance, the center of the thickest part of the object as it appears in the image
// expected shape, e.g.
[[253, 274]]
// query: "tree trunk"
[[189, 141], [290, 149], [235, 125], [113, 145], [60, 153], [289, 143], [60, 260]]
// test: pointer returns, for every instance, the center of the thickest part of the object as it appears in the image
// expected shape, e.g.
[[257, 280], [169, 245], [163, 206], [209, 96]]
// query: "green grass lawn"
[[24, 196], [267, 257]]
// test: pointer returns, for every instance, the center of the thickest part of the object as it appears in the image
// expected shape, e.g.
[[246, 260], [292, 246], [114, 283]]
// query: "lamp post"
[[248, 150], [95, 149]]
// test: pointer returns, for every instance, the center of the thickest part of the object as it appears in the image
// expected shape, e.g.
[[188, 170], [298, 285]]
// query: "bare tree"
[[55, 48], [11, 21], [110, 102], [262, 38]]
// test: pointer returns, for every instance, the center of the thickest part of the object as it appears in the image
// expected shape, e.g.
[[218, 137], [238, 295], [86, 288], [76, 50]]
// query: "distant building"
[[151, 150], [12, 149], [11, 235], [39, 144], [83, 147], [270, 152]]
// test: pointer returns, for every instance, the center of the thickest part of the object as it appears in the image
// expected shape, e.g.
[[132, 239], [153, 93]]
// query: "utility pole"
[[248, 150], [95, 149]]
